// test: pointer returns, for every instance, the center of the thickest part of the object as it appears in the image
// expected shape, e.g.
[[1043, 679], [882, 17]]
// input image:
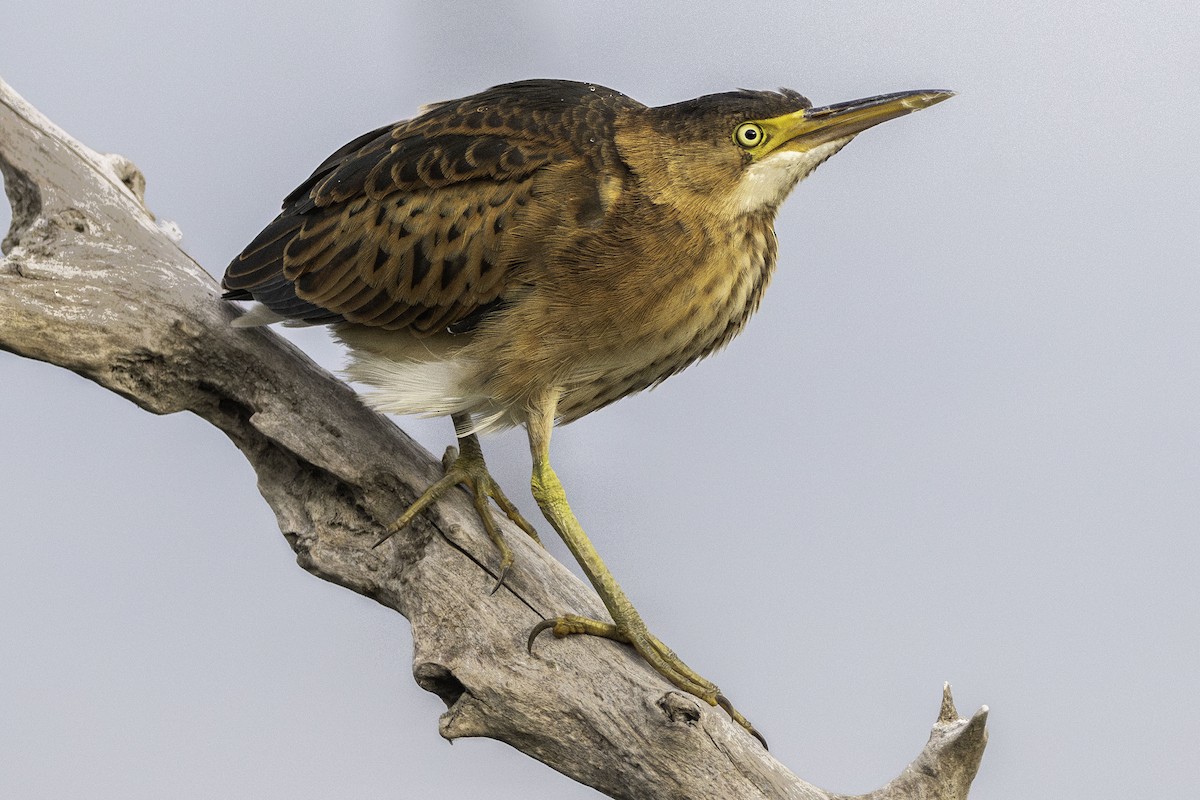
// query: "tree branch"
[[91, 282]]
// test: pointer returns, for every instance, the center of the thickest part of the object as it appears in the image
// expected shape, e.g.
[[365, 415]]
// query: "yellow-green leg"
[[627, 625], [466, 466]]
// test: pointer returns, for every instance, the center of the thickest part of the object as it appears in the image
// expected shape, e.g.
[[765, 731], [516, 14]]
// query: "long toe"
[[467, 468], [662, 658]]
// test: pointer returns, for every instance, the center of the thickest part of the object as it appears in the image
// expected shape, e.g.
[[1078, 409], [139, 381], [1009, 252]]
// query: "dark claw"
[[758, 736], [544, 625], [386, 536], [500, 579], [724, 703]]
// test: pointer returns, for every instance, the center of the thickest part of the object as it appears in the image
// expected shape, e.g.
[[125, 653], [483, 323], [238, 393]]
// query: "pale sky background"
[[959, 442]]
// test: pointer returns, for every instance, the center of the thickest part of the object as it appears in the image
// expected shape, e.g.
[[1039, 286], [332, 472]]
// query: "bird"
[[529, 254]]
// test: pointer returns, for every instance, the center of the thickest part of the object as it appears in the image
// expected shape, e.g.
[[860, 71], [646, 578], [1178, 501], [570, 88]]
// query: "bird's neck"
[[720, 282], [751, 253]]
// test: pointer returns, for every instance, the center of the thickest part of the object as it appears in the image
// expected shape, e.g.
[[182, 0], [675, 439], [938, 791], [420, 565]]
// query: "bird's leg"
[[627, 625], [466, 466]]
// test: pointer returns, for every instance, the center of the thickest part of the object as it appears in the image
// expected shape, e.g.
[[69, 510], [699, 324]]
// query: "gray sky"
[[959, 442]]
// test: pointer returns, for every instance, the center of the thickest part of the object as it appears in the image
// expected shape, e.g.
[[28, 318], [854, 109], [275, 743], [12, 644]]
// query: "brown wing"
[[404, 227], [398, 234]]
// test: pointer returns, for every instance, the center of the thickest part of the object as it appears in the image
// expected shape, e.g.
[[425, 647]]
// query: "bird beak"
[[805, 129]]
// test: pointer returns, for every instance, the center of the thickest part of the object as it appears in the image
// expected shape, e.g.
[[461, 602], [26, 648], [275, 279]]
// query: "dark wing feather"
[[404, 227]]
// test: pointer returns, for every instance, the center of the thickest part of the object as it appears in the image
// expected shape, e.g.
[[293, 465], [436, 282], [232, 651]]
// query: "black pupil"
[[749, 134]]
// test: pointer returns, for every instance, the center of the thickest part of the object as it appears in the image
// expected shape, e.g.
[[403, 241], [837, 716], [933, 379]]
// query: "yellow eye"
[[749, 134]]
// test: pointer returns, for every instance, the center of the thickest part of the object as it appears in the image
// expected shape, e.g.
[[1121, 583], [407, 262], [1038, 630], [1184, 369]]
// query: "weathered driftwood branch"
[[92, 283]]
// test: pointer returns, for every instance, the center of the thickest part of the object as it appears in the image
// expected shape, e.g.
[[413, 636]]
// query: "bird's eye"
[[748, 134]]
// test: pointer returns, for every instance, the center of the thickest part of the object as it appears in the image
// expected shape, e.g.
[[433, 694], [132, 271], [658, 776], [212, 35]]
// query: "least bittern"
[[532, 253]]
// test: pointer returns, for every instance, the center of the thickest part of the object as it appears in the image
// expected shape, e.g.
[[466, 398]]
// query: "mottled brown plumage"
[[534, 252], [535, 210]]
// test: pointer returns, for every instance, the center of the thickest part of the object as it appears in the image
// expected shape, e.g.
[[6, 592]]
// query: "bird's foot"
[[658, 655], [468, 469]]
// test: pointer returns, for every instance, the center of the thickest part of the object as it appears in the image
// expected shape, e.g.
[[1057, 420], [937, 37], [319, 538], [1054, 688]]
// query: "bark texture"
[[92, 282]]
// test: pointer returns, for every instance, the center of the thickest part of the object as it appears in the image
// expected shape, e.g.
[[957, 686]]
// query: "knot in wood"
[[680, 708]]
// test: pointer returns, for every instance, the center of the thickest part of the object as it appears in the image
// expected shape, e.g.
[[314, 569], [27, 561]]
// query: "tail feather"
[[257, 274]]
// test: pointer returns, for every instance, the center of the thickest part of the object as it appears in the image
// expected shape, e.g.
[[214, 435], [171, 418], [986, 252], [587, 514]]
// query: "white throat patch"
[[766, 183]]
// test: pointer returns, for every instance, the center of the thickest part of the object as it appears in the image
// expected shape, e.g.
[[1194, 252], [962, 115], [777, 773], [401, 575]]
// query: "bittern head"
[[743, 152]]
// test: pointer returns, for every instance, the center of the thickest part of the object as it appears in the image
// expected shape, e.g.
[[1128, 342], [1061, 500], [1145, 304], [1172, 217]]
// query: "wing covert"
[[405, 226], [400, 232]]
